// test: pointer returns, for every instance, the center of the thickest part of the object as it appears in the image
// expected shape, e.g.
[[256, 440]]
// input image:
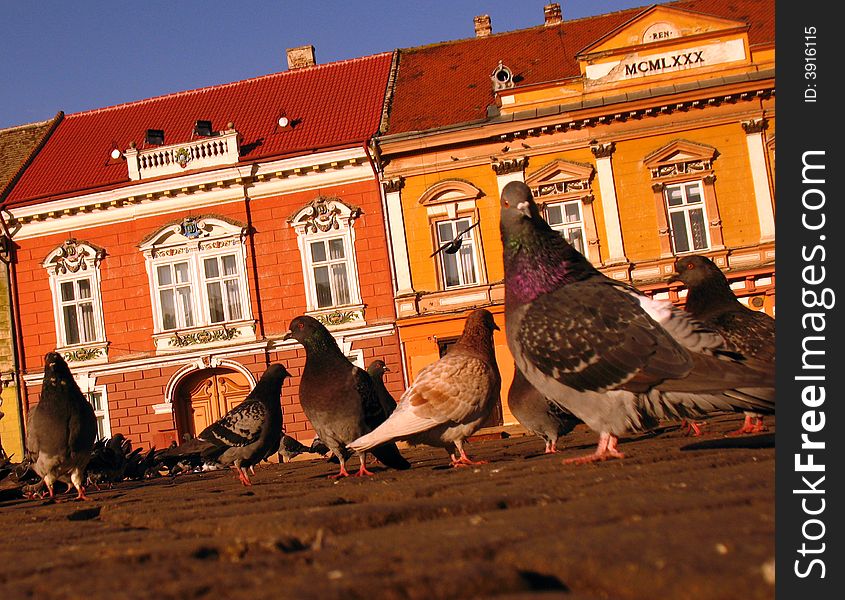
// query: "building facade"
[[644, 134], [163, 246]]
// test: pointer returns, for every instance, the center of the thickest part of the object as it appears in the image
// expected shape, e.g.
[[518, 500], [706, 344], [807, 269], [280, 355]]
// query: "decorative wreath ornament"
[[183, 157]]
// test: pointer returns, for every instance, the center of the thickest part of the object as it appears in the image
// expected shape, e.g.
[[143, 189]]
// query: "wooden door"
[[206, 396]]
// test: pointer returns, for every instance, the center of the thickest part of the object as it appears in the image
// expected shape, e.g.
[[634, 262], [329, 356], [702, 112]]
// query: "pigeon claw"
[[691, 428], [606, 450], [342, 473]]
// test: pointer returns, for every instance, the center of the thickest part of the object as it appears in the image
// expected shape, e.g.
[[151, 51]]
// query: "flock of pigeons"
[[587, 349]]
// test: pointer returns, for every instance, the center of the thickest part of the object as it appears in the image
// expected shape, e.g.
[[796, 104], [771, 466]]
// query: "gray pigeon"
[[290, 448], [61, 428], [450, 399], [711, 301], [376, 370], [244, 435], [338, 397], [538, 414], [613, 357]]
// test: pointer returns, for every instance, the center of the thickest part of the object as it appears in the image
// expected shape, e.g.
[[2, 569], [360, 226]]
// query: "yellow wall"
[[10, 430]]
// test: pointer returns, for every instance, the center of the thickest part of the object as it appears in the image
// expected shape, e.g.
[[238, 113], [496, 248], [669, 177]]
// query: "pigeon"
[[244, 435], [452, 246], [290, 448], [61, 429], [538, 414], [711, 301], [109, 459], [338, 397], [376, 370], [450, 398], [610, 355]]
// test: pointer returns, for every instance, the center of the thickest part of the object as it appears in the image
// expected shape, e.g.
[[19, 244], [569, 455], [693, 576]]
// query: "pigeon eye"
[[506, 204], [690, 266], [299, 325]]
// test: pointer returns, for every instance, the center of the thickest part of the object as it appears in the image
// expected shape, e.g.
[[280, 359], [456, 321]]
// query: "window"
[[687, 216], [74, 271], [198, 282], [97, 399], [458, 268], [565, 217], [326, 238], [330, 270]]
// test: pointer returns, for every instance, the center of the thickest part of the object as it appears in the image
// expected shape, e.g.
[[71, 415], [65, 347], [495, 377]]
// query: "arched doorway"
[[205, 396]]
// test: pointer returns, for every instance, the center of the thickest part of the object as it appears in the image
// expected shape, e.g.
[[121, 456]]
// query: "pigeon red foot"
[[751, 424], [464, 461], [606, 450], [691, 428], [342, 473], [550, 448], [242, 476]]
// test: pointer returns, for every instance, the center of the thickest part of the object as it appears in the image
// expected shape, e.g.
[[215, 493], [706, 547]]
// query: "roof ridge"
[[27, 125], [540, 26], [220, 86]]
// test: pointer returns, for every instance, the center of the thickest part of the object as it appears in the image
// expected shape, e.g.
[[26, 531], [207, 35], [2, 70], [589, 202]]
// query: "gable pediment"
[[662, 25], [664, 40], [560, 177], [679, 156]]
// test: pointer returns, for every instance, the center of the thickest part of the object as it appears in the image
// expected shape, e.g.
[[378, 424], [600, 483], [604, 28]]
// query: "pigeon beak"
[[386, 369], [288, 334]]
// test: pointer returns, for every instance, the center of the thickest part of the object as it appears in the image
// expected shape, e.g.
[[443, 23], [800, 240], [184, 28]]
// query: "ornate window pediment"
[[322, 215], [450, 190], [74, 256], [680, 157], [192, 233], [560, 177]]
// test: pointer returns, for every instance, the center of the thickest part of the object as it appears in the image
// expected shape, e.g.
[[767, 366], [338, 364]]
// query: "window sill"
[[210, 336], [88, 354]]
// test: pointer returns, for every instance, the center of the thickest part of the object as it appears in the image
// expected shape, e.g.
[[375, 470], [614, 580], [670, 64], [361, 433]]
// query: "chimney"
[[551, 13], [301, 56], [483, 28]]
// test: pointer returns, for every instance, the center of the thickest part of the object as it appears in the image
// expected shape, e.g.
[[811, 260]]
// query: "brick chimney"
[[301, 56], [551, 13], [483, 28]]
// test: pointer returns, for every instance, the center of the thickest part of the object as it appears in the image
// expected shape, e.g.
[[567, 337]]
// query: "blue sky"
[[80, 55]]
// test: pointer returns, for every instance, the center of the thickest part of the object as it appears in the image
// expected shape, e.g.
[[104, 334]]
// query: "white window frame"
[[192, 241], [103, 420], [685, 209], [566, 226], [323, 219], [73, 262], [459, 223]]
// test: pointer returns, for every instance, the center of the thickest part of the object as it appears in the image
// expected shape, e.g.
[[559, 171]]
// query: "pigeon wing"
[[593, 336], [241, 426]]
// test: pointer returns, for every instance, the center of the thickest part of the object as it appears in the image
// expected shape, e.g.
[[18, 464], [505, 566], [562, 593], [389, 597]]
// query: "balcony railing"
[[217, 150]]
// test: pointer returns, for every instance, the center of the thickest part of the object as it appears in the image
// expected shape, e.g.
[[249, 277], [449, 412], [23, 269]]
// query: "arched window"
[[453, 216], [198, 283], [74, 271]]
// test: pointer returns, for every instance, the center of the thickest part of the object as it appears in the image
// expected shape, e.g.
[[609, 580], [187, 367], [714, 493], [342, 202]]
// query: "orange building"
[[645, 134]]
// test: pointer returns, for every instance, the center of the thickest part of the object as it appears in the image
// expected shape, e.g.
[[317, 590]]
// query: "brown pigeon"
[[711, 301], [338, 397], [450, 398], [599, 348], [537, 413], [61, 428]]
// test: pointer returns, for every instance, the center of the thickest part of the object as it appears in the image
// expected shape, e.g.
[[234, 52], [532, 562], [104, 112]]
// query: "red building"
[[164, 245]]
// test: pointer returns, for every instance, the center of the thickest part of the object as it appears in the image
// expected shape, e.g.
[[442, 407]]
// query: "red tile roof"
[[337, 104], [449, 83]]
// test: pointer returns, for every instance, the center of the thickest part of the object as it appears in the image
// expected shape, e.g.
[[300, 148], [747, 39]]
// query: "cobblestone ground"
[[678, 518]]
